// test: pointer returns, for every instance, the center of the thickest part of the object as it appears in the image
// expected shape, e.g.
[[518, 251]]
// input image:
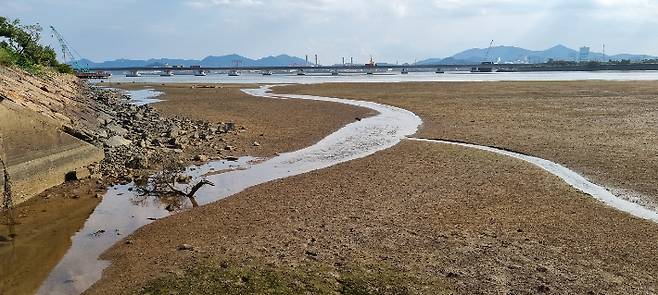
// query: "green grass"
[[256, 278]]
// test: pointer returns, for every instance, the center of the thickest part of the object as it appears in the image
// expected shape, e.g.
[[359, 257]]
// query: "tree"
[[22, 45]]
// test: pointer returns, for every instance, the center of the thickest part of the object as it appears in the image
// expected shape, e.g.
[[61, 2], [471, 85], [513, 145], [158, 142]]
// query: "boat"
[[266, 73], [134, 74], [201, 74], [301, 72], [506, 70], [167, 73], [92, 75], [439, 71], [485, 67], [233, 73], [334, 73], [404, 71]]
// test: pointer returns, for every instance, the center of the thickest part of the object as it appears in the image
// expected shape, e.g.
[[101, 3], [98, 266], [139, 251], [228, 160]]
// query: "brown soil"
[[42, 228], [448, 219], [604, 129], [277, 125]]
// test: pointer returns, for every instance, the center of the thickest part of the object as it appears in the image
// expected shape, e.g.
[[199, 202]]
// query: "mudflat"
[[277, 125], [419, 218], [605, 130]]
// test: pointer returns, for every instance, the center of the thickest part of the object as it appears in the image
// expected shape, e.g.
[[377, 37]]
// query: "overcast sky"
[[390, 30]]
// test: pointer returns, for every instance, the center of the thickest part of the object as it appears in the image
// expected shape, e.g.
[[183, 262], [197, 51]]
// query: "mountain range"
[[499, 54], [511, 54], [209, 61]]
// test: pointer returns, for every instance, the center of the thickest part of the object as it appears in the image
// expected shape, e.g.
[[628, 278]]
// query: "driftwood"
[[192, 192]]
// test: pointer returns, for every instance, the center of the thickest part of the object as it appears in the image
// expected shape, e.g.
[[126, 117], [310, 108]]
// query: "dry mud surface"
[[605, 130], [443, 218], [429, 218]]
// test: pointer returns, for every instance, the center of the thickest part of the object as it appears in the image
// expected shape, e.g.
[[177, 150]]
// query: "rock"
[[229, 148], [116, 129], [116, 141], [173, 132], [138, 162], [104, 119], [170, 208], [102, 134], [201, 158], [230, 126], [256, 143], [185, 247], [231, 158], [182, 178]]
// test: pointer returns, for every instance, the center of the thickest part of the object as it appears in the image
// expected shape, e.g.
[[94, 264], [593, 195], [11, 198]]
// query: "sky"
[[389, 30]]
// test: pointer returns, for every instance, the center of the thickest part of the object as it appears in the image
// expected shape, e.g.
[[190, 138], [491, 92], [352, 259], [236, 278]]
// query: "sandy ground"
[[277, 125], [444, 219], [604, 129], [429, 218]]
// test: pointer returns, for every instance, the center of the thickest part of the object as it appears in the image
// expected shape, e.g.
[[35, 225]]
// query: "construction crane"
[[486, 55], [67, 52], [72, 57], [486, 66]]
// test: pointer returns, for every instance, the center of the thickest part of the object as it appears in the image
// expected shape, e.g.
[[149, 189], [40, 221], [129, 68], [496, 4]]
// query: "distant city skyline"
[[392, 30]]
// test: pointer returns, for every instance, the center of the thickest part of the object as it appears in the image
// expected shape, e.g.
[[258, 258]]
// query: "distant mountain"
[[511, 54], [209, 61]]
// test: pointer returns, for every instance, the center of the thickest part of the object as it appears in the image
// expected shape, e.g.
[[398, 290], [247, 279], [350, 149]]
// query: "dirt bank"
[[417, 218], [603, 129], [277, 125]]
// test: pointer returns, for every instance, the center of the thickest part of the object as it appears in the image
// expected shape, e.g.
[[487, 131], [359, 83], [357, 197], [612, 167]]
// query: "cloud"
[[391, 30]]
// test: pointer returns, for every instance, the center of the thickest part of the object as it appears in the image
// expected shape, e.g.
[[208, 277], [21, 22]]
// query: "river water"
[[394, 77]]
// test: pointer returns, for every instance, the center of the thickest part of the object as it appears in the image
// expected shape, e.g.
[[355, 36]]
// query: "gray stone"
[[116, 129], [116, 141]]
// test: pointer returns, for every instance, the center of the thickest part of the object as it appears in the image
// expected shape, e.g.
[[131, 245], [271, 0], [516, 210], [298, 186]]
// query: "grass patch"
[[254, 278]]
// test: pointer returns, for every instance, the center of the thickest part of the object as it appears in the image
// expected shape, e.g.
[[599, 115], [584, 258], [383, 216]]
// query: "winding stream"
[[122, 211]]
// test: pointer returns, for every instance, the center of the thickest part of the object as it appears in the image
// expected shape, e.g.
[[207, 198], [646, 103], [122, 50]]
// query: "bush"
[[65, 69], [7, 57]]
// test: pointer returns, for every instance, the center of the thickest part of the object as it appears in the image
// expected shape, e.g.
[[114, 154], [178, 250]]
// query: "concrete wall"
[[38, 155]]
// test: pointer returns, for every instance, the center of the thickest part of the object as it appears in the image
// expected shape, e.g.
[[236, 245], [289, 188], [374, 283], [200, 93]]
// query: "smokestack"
[[306, 60], [343, 60], [351, 60], [316, 60]]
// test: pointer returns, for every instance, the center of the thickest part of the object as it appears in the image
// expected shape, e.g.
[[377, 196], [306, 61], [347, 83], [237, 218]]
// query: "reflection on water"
[[123, 210], [394, 77]]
